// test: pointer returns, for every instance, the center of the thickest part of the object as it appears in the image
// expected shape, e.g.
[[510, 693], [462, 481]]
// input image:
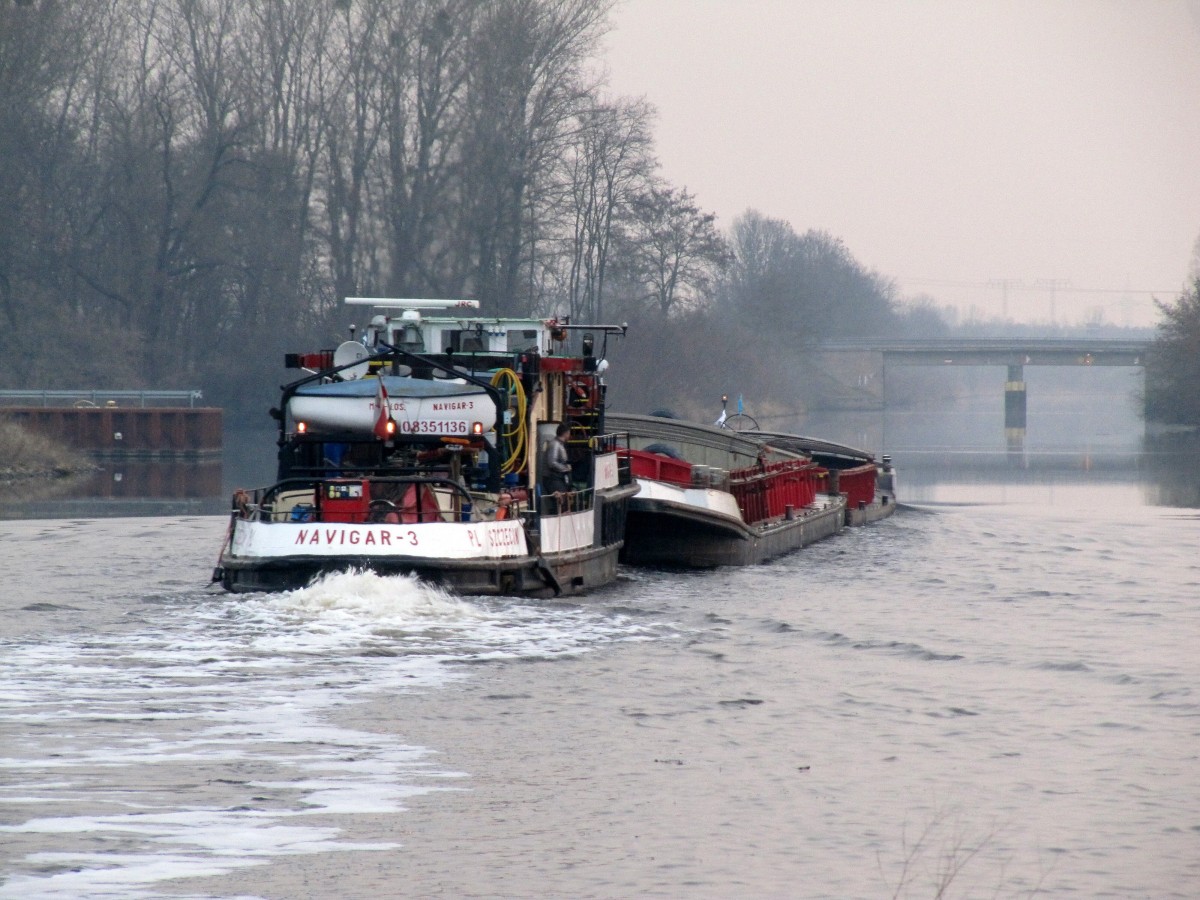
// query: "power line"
[[1004, 284], [1055, 285], [1043, 285]]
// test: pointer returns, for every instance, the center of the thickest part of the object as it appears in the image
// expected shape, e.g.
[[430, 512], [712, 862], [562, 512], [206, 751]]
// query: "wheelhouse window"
[[520, 339], [464, 341]]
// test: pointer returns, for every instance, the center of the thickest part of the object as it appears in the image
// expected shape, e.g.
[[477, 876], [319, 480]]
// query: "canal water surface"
[[994, 693]]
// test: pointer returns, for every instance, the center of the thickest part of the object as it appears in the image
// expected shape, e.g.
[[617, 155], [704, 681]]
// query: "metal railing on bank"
[[85, 398]]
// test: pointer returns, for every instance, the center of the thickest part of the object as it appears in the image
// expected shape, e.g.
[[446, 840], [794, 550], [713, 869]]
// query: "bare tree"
[[49, 54], [607, 165], [192, 174], [679, 249], [423, 94], [758, 277], [804, 286], [351, 109], [526, 86], [28, 74], [282, 46], [134, 203]]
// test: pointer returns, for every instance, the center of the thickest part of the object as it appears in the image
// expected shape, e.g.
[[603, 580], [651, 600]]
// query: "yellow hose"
[[517, 435]]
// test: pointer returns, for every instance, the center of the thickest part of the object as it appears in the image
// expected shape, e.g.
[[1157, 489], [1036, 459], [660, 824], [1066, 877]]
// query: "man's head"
[[562, 431]]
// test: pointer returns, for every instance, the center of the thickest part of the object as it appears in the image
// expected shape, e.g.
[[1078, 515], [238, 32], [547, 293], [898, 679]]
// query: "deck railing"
[[562, 502], [358, 501]]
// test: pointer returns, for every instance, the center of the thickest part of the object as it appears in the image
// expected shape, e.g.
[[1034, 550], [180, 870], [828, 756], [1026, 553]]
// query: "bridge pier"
[[1014, 408]]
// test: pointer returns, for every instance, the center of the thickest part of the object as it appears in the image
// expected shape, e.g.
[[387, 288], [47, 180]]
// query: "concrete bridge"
[[862, 364], [998, 351]]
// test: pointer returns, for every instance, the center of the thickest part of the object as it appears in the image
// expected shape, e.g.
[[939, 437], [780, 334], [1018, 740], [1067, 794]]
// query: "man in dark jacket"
[[556, 479]]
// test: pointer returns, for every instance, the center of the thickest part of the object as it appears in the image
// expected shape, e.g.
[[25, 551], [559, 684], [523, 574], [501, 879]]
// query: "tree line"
[[191, 187], [1173, 367]]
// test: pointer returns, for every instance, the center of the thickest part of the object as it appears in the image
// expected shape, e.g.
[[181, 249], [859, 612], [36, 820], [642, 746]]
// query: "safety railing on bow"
[[359, 501]]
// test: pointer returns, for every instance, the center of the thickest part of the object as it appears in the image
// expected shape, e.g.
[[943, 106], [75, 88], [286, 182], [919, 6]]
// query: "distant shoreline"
[[26, 456]]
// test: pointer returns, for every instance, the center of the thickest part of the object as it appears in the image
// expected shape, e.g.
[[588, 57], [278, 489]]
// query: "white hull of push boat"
[[440, 540], [490, 557], [443, 540]]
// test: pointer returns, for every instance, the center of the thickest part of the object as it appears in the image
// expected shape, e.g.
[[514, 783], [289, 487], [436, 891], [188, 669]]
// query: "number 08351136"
[[433, 426]]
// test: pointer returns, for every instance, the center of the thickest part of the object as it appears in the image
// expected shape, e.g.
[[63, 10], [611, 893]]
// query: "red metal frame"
[[765, 491], [656, 467], [858, 484]]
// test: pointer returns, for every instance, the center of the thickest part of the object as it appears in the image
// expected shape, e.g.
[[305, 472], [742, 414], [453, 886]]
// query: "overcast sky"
[[951, 145]]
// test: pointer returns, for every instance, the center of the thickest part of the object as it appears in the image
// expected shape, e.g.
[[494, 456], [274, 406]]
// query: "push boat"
[[415, 450], [709, 496]]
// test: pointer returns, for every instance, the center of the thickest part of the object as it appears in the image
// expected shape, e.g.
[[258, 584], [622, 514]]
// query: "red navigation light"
[[390, 427], [476, 428], [301, 428]]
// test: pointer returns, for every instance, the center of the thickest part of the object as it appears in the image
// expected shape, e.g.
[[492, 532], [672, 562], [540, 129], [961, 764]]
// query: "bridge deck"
[[1000, 351]]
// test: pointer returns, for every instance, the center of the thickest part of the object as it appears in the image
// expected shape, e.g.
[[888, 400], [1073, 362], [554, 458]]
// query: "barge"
[[710, 497]]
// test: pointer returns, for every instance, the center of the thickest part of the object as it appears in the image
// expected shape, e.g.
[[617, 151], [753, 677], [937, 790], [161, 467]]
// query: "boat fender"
[[664, 450]]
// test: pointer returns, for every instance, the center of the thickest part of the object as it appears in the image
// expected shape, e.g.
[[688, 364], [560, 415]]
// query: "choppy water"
[[996, 699]]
